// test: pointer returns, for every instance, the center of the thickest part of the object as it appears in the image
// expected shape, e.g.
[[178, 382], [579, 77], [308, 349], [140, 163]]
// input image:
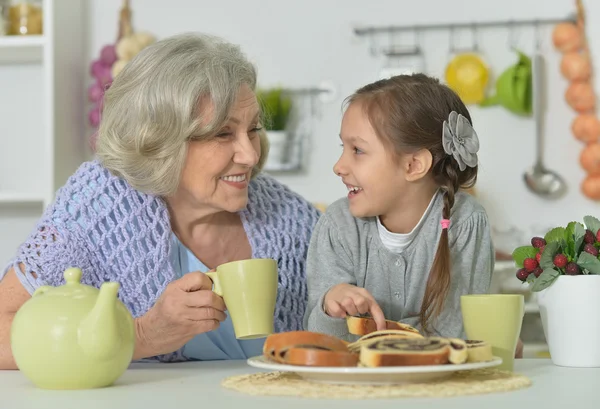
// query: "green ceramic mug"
[[249, 289], [496, 319]]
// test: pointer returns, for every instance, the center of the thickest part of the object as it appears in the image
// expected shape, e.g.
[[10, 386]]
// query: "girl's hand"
[[345, 299]]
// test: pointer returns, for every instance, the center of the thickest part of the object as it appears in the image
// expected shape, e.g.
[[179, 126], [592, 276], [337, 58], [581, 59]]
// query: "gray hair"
[[152, 108]]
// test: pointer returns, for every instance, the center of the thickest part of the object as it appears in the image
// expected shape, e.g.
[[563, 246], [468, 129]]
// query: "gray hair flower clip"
[[460, 140]]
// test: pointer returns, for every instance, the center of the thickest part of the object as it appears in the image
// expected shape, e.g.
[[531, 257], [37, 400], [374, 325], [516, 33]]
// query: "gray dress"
[[345, 249]]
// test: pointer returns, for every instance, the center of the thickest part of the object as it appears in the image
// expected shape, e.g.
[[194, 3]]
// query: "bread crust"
[[365, 325], [317, 357], [308, 349]]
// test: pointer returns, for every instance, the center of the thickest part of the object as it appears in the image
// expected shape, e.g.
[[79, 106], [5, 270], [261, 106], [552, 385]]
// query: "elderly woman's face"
[[217, 172]]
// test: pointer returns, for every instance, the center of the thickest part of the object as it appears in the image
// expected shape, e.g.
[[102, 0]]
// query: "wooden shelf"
[[21, 49]]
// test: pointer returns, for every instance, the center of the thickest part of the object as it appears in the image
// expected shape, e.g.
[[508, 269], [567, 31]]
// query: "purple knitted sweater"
[[100, 224]]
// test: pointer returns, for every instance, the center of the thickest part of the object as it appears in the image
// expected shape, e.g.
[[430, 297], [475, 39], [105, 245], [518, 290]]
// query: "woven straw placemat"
[[473, 382]]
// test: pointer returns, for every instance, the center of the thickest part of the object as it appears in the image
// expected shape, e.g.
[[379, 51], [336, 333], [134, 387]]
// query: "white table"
[[197, 385]]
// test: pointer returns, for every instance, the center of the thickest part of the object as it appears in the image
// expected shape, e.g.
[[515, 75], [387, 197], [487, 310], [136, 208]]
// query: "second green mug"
[[495, 319]]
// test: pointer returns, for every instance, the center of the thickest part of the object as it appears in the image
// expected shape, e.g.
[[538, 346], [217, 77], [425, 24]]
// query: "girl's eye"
[[358, 151], [256, 129], [224, 134]]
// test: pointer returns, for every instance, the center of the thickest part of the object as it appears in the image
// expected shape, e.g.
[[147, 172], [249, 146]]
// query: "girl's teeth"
[[240, 178], [354, 189]]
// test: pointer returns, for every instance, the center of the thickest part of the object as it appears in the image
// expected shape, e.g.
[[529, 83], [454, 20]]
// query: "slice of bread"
[[383, 334], [458, 351], [365, 325], [478, 351], [277, 345], [405, 352]]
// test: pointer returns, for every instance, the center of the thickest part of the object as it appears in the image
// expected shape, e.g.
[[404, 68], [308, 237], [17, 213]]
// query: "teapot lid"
[[72, 286]]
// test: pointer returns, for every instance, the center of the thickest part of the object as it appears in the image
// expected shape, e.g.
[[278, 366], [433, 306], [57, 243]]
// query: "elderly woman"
[[176, 190]]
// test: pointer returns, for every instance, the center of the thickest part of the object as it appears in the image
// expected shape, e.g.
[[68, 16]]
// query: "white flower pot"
[[570, 312], [278, 147]]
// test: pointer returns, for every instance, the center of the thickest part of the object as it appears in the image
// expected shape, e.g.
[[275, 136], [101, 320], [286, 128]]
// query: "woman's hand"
[[187, 307], [345, 299]]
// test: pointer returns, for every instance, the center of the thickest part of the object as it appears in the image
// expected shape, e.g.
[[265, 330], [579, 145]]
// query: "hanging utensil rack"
[[374, 31], [369, 30]]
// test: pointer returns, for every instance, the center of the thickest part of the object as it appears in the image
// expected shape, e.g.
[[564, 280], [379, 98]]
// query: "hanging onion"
[[591, 187], [567, 37], [580, 96], [575, 66], [586, 128]]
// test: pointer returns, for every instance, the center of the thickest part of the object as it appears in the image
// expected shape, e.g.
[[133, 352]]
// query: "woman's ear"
[[417, 164]]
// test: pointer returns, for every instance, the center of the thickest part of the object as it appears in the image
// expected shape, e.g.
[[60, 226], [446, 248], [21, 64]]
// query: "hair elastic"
[[445, 223]]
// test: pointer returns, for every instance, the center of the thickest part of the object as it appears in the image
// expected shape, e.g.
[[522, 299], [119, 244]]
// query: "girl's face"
[[376, 179]]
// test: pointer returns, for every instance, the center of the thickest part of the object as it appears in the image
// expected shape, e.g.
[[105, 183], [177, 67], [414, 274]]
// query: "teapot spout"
[[98, 333]]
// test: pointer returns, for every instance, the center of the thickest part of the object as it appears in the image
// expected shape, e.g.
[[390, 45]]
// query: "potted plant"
[[563, 268], [276, 106]]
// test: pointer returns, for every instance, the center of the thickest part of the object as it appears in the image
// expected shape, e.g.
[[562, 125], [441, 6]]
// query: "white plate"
[[380, 375]]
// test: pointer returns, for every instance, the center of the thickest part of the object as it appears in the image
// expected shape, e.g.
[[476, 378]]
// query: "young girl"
[[407, 242]]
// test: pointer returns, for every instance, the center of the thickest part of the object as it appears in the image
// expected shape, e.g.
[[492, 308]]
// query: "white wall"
[[303, 43]]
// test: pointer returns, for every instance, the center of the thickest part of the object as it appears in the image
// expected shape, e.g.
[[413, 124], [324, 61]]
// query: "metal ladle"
[[539, 180]]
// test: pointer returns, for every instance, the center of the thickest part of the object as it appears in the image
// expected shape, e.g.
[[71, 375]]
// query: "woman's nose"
[[246, 154]]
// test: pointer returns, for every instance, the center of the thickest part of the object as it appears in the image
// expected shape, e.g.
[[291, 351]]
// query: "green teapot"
[[73, 336]]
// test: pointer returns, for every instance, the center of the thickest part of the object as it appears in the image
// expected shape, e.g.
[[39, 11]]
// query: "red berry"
[[589, 237], [538, 257], [572, 269], [530, 264], [589, 248], [522, 274], [538, 271], [538, 242], [542, 249], [598, 235], [560, 260]]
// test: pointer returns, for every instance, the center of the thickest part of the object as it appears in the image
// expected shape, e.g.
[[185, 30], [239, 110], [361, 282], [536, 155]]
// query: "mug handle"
[[214, 277]]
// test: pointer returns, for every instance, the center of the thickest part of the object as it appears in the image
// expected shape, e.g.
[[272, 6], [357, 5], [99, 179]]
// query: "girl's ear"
[[417, 164]]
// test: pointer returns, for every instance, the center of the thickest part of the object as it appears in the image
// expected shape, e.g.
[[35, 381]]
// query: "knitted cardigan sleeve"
[[54, 245], [101, 225]]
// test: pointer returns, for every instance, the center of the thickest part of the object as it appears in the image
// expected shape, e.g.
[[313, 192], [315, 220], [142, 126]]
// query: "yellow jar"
[[25, 18]]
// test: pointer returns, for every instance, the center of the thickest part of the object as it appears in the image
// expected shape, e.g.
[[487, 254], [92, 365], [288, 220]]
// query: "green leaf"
[[523, 252], [545, 279], [556, 234], [547, 259], [578, 235], [589, 262], [530, 278], [569, 247], [592, 224]]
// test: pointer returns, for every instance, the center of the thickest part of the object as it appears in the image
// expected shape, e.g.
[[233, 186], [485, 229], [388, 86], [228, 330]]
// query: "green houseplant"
[[571, 250], [276, 106], [563, 268]]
